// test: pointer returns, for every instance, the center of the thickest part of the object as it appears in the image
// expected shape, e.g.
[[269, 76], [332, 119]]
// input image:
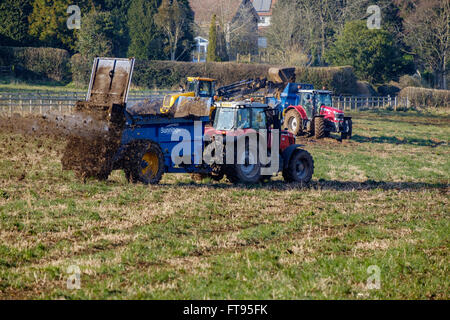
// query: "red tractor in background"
[[307, 110]]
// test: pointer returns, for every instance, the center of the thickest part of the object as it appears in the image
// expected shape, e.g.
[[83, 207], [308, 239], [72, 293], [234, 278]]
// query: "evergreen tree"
[[212, 45], [48, 22], [372, 53], [97, 35], [118, 10], [14, 21], [145, 37]]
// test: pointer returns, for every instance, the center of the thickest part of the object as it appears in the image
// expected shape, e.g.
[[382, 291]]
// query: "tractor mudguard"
[[288, 152], [299, 109]]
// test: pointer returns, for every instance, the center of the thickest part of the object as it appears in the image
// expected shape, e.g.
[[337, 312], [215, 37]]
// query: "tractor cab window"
[[243, 118], [224, 119], [308, 104], [205, 89], [191, 86], [259, 119], [307, 100], [324, 99]]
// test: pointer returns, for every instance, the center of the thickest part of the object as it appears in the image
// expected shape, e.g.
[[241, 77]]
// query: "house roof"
[[225, 10], [264, 7]]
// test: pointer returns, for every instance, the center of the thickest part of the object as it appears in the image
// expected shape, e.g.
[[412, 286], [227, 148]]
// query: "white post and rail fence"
[[63, 102]]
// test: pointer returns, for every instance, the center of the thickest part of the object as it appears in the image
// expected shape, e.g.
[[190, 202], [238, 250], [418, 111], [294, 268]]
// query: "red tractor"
[[307, 110], [236, 122]]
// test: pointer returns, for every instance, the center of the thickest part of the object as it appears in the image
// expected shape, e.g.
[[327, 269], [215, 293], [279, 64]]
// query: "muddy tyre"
[[215, 160], [348, 134], [300, 168], [293, 122], [217, 173], [249, 171], [145, 163], [319, 127]]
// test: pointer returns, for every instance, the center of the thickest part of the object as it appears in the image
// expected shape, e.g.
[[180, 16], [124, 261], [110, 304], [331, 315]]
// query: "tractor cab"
[[314, 101], [239, 118], [197, 87], [201, 87], [234, 116], [245, 115]]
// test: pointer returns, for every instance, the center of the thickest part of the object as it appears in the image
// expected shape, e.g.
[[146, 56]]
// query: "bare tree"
[[427, 31], [306, 24], [173, 19], [241, 31], [286, 35]]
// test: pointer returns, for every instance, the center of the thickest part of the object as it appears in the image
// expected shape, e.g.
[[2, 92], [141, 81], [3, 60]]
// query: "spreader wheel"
[[145, 163]]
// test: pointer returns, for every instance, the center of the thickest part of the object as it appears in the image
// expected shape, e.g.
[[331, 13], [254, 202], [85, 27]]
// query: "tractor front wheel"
[[300, 168], [293, 122], [349, 125], [319, 127]]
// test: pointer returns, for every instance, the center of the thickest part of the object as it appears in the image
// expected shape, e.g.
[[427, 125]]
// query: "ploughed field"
[[380, 199]]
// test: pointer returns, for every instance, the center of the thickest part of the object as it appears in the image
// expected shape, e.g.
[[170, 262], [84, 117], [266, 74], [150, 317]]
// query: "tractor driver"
[[308, 104], [205, 89]]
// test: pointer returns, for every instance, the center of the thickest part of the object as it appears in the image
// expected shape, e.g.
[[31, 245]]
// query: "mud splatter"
[[91, 137]]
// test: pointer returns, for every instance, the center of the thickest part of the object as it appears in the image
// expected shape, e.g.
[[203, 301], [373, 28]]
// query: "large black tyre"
[[319, 127], [347, 135], [300, 168], [293, 122], [144, 163], [249, 172]]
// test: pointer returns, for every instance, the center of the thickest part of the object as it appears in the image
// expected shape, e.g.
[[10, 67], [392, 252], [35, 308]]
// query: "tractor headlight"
[[338, 116]]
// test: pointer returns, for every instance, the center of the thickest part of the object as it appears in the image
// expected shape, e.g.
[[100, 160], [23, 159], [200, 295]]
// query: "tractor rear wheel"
[[300, 168], [319, 127], [145, 163], [293, 122], [249, 171], [348, 134]]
